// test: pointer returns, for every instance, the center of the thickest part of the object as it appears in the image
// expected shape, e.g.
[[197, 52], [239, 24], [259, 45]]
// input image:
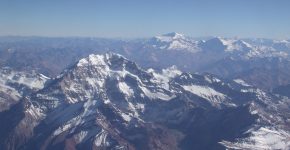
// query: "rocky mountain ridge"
[[109, 102]]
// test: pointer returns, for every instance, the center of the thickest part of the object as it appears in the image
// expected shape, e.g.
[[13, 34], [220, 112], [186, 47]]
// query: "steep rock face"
[[108, 102]]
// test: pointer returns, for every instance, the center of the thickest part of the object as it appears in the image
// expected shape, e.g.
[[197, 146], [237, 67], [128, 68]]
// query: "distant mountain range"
[[246, 48], [253, 60], [109, 102]]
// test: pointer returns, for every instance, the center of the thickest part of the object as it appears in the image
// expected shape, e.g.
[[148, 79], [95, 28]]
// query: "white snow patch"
[[156, 95], [241, 82], [171, 72], [254, 112], [100, 138], [73, 123], [92, 60], [206, 92], [125, 89], [35, 112], [126, 117], [141, 107], [163, 78], [211, 79], [32, 80], [87, 107], [263, 138]]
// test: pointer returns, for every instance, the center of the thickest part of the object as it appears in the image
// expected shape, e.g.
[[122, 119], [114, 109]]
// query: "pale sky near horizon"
[[136, 18]]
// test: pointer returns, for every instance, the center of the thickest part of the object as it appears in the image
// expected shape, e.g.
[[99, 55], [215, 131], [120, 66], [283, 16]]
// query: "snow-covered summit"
[[174, 41], [100, 60], [170, 36]]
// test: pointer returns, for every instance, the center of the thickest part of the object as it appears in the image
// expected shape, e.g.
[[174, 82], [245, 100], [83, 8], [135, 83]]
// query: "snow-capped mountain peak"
[[173, 41], [226, 44], [238, 45], [173, 35], [100, 60]]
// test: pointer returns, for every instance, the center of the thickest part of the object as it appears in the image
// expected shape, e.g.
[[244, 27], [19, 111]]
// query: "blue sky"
[[136, 18]]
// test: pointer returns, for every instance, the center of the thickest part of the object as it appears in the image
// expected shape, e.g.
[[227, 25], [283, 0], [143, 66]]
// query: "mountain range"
[[170, 91], [253, 60], [109, 102]]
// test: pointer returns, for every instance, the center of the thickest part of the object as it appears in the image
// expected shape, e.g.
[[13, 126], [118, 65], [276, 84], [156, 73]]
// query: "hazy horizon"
[[137, 37], [142, 19]]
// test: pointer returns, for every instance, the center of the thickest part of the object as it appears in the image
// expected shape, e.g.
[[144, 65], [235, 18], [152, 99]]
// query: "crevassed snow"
[[206, 93]]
